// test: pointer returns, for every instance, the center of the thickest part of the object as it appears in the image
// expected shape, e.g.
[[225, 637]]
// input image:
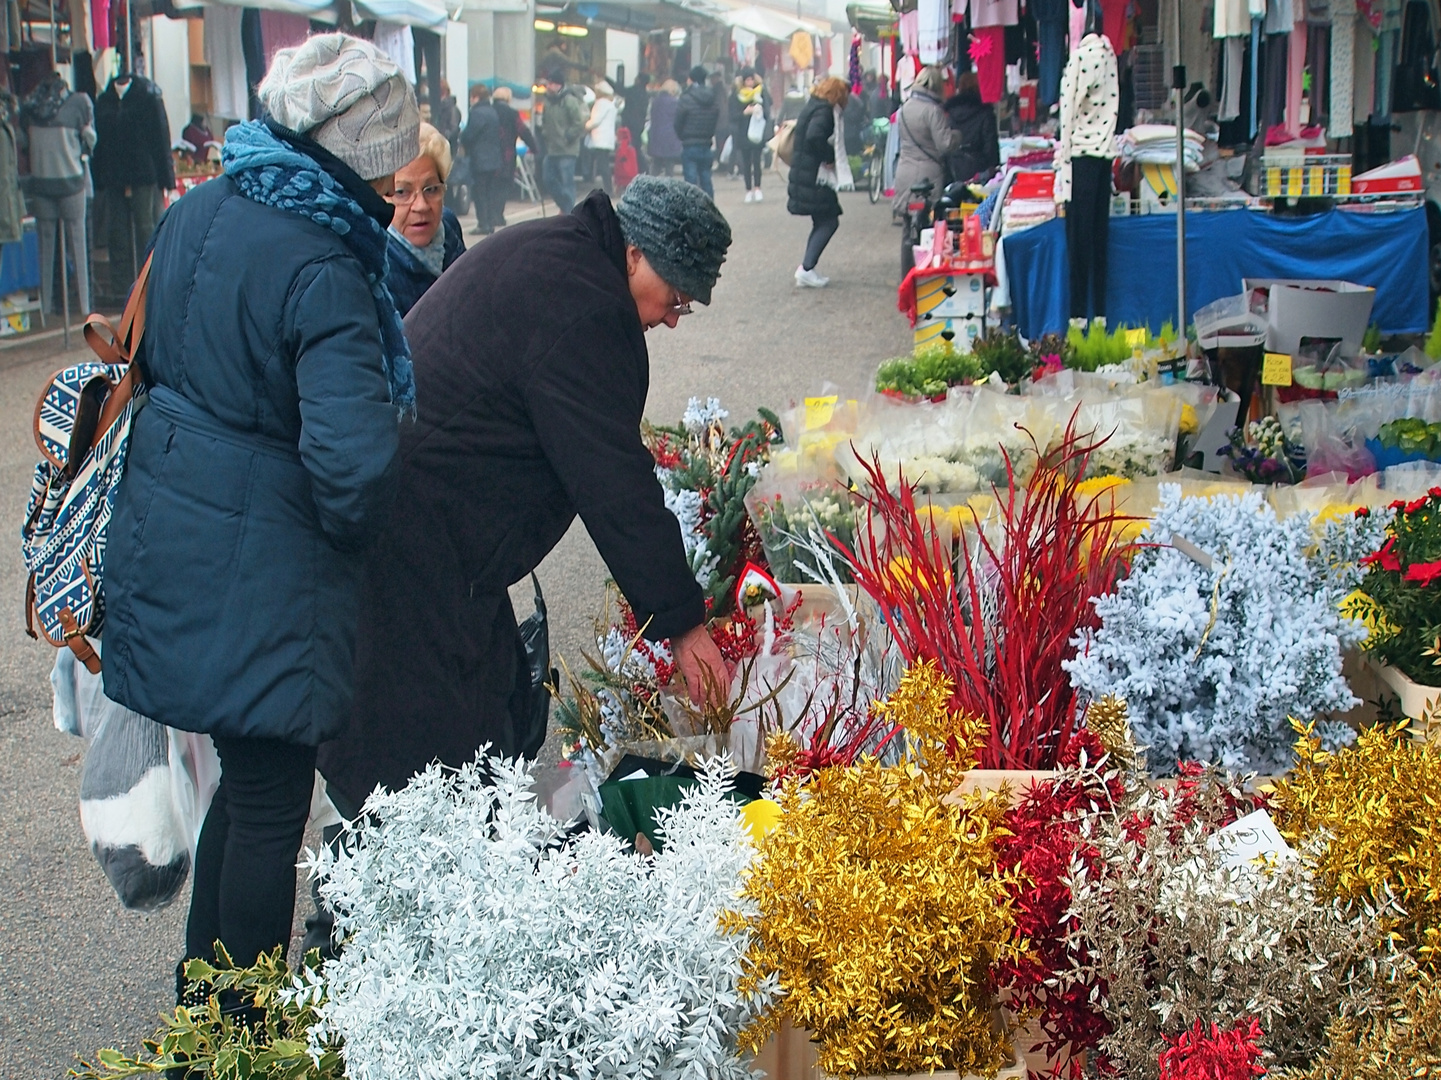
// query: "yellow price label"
[[1276, 369], [1136, 339], [819, 411]]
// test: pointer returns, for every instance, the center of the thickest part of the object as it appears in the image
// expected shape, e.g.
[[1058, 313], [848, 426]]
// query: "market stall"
[[1388, 251]]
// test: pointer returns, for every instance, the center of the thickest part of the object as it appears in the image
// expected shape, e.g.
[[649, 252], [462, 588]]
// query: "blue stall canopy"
[[1386, 251]]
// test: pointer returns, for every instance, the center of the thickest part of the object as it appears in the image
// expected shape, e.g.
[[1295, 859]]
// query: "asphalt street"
[[76, 970]]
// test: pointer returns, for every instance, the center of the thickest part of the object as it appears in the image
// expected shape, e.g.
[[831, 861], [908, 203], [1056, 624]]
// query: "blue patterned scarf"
[[270, 171]]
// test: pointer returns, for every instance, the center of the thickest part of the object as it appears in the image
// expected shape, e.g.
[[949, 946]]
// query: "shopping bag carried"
[[756, 129], [727, 150], [144, 790], [783, 143]]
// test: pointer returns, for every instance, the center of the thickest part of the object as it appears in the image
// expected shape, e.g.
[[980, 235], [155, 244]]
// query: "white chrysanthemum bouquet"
[[480, 942]]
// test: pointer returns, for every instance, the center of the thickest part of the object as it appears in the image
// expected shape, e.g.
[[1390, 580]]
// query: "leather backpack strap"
[[75, 638], [132, 323]]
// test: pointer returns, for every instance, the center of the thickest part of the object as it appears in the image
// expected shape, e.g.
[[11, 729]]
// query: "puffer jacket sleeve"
[[348, 434], [585, 399]]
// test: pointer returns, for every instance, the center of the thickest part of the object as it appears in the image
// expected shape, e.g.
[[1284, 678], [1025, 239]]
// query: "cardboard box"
[[1318, 309], [1401, 175], [933, 330], [951, 296]]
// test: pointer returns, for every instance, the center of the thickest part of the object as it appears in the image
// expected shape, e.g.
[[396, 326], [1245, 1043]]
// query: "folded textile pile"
[[1019, 214], [1156, 144]]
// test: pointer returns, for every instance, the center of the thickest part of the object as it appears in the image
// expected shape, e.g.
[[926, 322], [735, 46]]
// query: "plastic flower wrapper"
[[478, 942], [1212, 660], [1135, 433], [878, 907], [1173, 925], [1371, 810], [788, 508]]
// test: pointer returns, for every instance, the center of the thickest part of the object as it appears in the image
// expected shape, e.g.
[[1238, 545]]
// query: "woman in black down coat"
[[805, 194], [980, 149]]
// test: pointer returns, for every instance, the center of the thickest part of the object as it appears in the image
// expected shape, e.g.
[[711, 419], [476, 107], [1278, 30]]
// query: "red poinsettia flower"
[[1423, 573], [1363, 512], [1435, 493], [1385, 558], [1414, 505], [1399, 504]]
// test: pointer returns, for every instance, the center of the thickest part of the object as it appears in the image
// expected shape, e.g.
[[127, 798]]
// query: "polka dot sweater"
[[1090, 96]]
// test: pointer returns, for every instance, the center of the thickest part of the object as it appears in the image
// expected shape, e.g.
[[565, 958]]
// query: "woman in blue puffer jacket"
[[264, 463]]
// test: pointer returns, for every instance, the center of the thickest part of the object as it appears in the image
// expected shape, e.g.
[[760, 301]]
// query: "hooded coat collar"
[[599, 217]]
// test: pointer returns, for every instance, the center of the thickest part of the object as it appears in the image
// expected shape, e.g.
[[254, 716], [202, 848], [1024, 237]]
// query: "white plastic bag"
[[144, 790], [756, 129], [727, 150]]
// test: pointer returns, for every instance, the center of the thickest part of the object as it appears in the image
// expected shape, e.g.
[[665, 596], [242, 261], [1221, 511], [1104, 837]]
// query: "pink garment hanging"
[[988, 53], [280, 30], [1296, 66], [1078, 25], [100, 24], [910, 31]]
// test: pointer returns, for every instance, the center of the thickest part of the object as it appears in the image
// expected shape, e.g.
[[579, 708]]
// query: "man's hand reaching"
[[700, 667]]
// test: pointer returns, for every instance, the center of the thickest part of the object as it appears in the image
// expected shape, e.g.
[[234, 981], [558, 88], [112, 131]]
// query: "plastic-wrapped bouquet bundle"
[[1228, 623], [1136, 433], [792, 511], [479, 943]]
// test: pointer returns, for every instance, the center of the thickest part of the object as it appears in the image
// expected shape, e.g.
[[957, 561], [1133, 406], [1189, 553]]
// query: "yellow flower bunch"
[[1403, 1042], [1378, 803], [881, 909]]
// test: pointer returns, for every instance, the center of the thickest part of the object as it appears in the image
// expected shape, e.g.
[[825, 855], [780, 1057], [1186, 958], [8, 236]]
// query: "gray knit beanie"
[[350, 98], [679, 231]]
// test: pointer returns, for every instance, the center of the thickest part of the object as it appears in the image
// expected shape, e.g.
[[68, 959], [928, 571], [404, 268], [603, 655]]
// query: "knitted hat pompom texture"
[[679, 231], [350, 98]]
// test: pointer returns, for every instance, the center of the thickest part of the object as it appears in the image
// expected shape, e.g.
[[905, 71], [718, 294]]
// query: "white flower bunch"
[[1132, 455], [1211, 662], [480, 943], [686, 505], [698, 417]]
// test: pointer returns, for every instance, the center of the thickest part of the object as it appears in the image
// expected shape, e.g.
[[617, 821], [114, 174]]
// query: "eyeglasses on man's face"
[[404, 195], [679, 304]]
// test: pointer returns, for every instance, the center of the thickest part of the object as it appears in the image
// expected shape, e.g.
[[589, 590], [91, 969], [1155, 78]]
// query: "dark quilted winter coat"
[[531, 373], [814, 127], [258, 473]]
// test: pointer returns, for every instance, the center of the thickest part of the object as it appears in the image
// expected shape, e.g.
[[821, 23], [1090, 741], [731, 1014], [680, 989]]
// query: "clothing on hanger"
[[1342, 71], [1295, 74], [934, 29], [281, 30], [1364, 66], [1233, 59], [229, 92], [1090, 100], [1280, 15], [398, 43], [988, 53]]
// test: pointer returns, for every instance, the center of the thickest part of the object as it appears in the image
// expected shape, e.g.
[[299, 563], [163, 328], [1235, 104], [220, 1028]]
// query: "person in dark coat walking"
[[531, 370], [425, 235], [512, 127], [264, 465], [980, 148], [807, 193], [697, 115], [130, 167], [662, 143], [633, 114], [485, 157]]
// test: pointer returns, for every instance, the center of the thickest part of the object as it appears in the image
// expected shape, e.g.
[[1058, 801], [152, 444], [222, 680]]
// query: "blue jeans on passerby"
[[558, 177], [695, 166]]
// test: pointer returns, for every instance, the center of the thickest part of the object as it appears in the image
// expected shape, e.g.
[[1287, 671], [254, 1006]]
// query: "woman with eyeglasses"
[[425, 235], [531, 370]]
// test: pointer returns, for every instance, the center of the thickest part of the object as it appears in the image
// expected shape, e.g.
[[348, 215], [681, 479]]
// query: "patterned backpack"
[[82, 426]]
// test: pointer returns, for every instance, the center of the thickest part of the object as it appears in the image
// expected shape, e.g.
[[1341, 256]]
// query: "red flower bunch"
[[1230, 1054], [1041, 842], [1401, 603], [1058, 550]]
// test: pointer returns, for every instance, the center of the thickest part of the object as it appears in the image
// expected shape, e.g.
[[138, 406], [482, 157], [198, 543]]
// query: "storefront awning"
[[771, 24], [874, 22], [319, 10], [424, 13]]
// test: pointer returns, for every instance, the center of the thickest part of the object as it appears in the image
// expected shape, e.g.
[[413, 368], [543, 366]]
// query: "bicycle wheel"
[[877, 180]]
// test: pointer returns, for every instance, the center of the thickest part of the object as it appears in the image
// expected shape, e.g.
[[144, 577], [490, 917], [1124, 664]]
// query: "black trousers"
[[488, 194], [822, 229], [1088, 226], [750, 155], [244, 888]]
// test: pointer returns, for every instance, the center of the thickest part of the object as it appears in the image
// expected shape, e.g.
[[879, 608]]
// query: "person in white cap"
[[263, 465]]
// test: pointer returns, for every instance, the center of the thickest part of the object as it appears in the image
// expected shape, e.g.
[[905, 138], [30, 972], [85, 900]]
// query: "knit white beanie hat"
[[350, 98]]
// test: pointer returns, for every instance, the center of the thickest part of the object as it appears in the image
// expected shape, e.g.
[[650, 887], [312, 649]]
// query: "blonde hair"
[[502, 93], [433, 145], [832, 89], [671, 87]]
